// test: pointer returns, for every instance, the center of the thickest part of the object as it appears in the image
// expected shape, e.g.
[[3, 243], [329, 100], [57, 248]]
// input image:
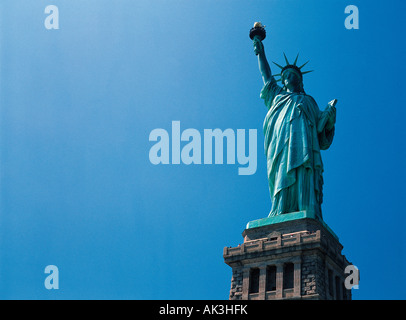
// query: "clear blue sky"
[[77, 106]]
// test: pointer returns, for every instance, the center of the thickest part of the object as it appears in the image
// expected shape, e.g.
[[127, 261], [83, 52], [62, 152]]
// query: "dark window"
[[288, 276], [271, 278], [338, 296], [345, 297], [330, 282], [254, 280]]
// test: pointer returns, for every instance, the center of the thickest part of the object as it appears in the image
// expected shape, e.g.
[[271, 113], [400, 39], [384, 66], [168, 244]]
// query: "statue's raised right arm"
[[264, 67]]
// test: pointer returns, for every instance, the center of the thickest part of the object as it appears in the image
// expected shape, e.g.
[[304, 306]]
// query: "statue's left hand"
[[331, 114]]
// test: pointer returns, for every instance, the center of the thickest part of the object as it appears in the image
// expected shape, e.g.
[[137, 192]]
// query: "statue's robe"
[[292, 147]]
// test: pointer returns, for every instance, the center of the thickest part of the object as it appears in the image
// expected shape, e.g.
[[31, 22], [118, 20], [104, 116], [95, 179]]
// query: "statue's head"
[[292, 75], [292, 79]]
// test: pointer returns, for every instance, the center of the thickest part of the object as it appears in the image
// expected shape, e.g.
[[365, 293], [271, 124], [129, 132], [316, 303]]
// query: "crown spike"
[[277, 75], [304, 72], [286, 59], [294, 63], [277, 65], [304, 64], [280, 79]]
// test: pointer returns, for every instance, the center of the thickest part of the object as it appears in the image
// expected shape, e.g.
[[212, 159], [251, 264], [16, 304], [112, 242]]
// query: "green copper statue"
[[295, 131]]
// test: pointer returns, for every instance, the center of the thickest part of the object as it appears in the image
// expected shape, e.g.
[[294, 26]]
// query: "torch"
[[258, 32]]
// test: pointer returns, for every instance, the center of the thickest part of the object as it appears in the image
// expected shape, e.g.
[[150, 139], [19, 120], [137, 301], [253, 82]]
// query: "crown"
[[291, 66]]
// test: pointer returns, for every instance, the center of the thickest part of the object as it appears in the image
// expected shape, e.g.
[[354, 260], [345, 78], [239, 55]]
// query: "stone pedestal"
[[291, 257]]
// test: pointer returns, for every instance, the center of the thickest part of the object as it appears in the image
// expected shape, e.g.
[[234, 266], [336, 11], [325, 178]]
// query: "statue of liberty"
[[295, 131]]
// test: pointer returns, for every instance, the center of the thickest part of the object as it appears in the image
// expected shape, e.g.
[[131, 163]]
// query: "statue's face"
[[291, 79]]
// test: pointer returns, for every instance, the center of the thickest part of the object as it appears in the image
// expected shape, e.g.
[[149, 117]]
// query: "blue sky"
[[77, 105]]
